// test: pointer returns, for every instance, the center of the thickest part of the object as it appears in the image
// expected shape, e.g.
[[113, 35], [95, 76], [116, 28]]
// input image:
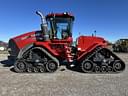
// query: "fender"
[[24, 49], [90, 49]]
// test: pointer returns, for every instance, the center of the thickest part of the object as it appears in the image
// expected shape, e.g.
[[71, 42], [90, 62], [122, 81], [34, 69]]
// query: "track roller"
[[97, 69], [41, 69], [35, 69], [30, 69], [110, 69], [103, 69], [87, 66]]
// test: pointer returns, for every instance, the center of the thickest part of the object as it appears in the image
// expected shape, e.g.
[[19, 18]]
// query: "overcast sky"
[[108, 17]]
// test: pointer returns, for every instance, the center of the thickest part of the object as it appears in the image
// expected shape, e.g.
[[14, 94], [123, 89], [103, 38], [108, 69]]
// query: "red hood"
[[25, 39], [24, 36]]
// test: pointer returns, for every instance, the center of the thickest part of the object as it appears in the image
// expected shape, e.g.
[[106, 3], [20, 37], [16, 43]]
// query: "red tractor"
[[45, 50]]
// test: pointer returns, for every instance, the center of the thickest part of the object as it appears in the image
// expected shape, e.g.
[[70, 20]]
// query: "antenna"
[[95, 32], [92, 34], [79, 33]]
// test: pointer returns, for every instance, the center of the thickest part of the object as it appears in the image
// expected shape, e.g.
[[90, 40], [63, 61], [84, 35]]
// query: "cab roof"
[[63, 15]]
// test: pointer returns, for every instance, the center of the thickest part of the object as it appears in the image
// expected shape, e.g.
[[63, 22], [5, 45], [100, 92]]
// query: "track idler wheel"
[[20, 66], [118, 66], [51, 66], [87, 66]]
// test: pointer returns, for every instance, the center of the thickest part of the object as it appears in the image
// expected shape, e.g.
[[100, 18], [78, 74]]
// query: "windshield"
[[60, 28]]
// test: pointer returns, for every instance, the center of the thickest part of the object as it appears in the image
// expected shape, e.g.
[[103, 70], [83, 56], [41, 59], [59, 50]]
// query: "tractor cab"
[[59, 26]]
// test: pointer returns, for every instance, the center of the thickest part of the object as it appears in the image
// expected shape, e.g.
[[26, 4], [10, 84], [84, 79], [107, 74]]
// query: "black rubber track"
[[35, 60], [105, 62]]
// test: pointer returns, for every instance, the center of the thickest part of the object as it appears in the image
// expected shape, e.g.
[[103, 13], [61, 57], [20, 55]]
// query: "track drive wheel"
[[118, 66], [87, 66], [51, 66], [20, 66]]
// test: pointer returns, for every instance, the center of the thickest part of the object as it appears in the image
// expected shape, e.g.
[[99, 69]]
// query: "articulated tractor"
[[45, 50]]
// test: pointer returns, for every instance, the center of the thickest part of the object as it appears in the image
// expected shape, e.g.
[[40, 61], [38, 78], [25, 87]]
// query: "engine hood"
[[24, 36], [27, 38], [18, 42]]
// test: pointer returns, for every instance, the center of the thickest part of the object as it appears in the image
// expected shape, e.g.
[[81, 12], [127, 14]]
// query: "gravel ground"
[[62, 83]]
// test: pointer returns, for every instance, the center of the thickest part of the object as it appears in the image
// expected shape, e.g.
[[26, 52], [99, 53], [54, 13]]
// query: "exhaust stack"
[[44, 26]]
